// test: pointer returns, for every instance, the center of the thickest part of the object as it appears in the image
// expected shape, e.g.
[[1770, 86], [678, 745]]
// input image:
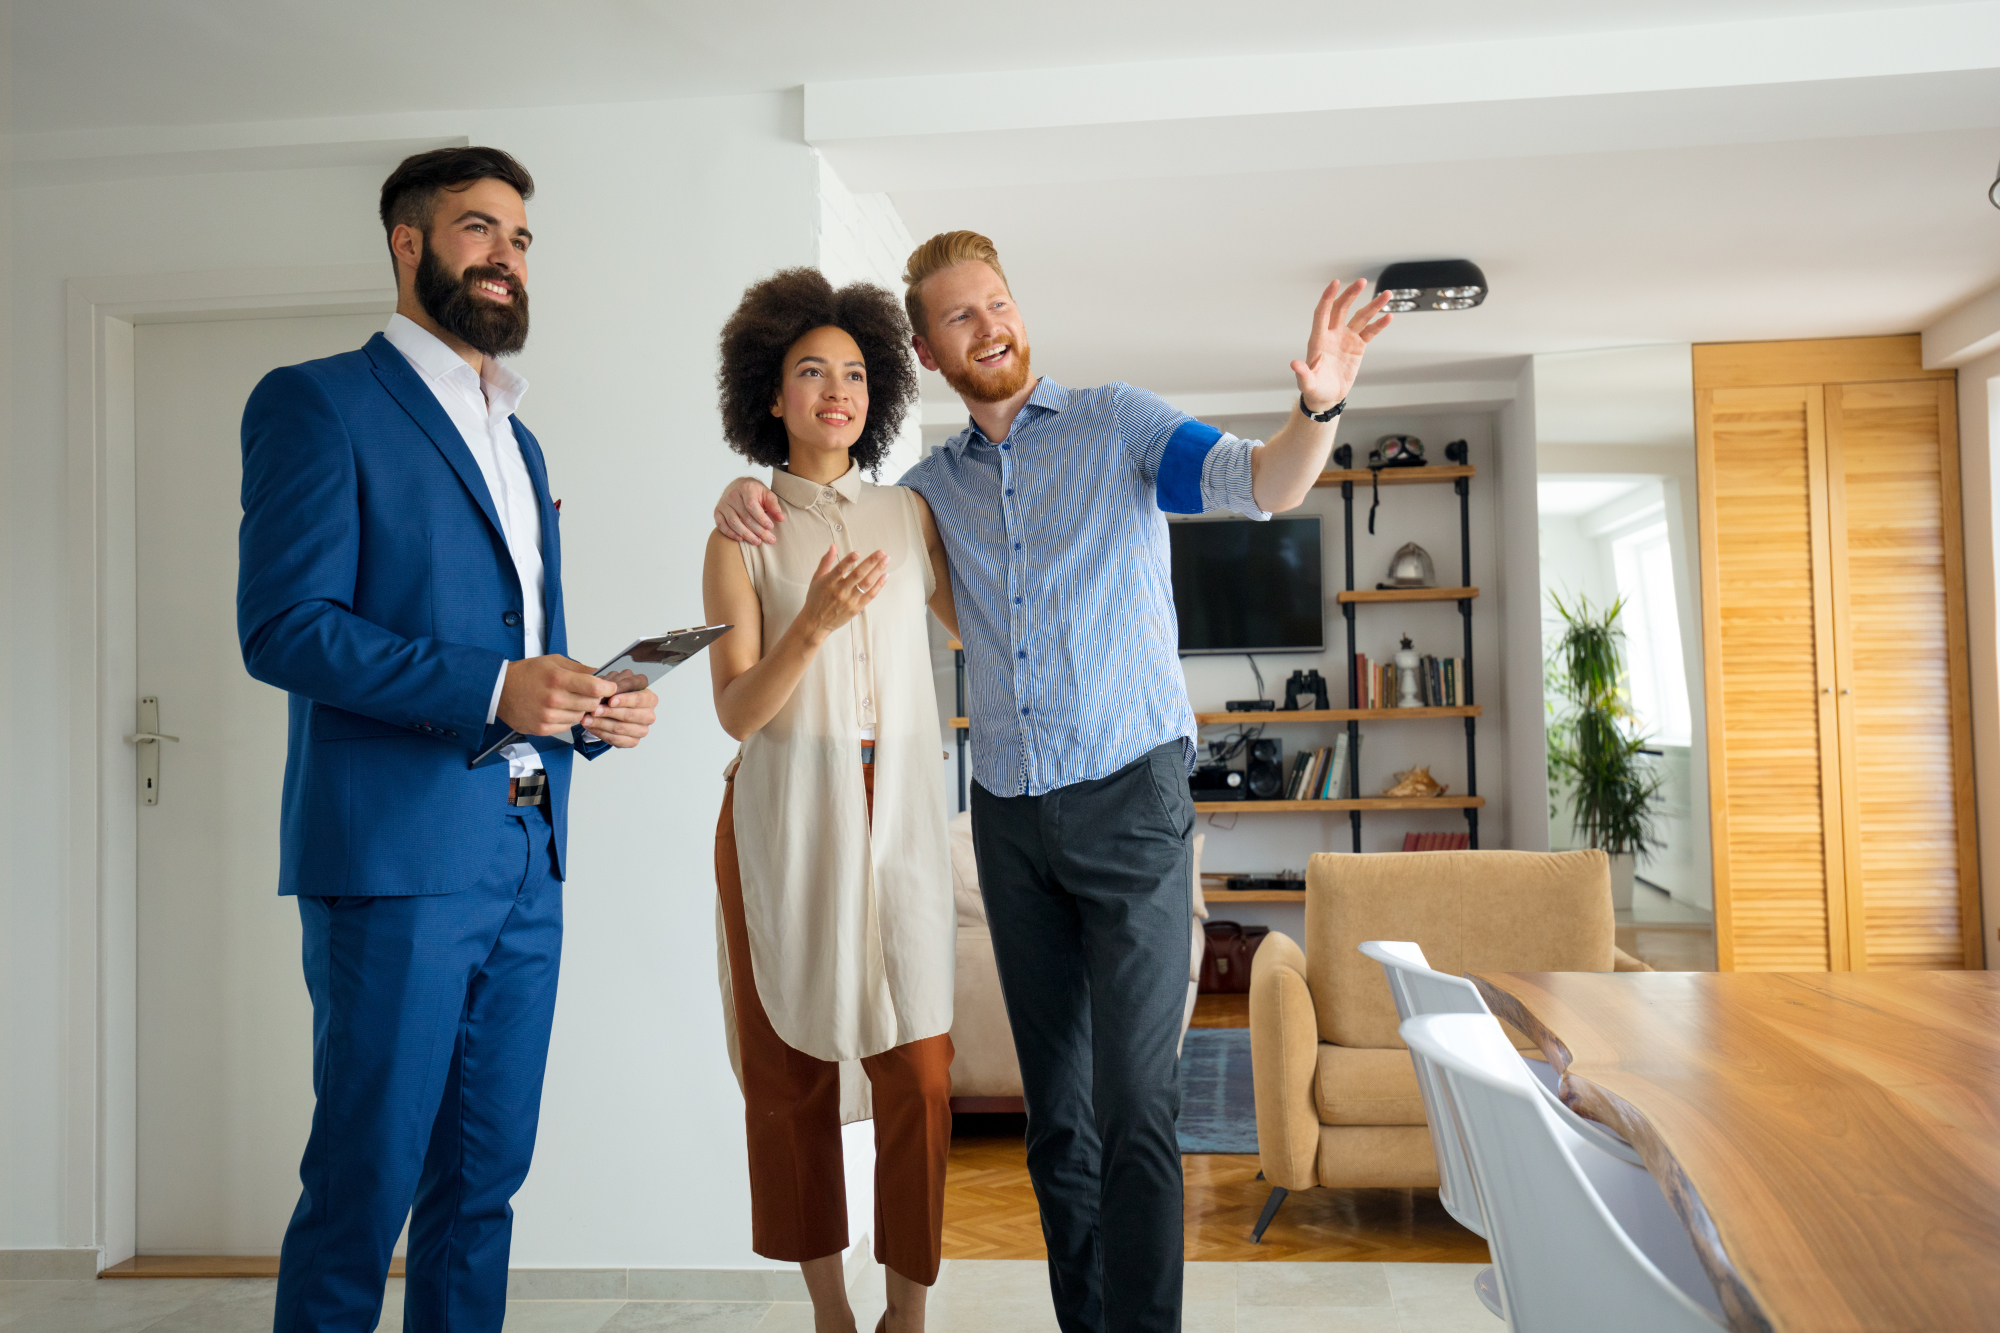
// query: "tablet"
[[651, 658]]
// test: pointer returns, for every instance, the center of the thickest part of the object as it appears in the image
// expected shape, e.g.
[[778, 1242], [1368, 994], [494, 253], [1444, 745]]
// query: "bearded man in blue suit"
[[401, 577]]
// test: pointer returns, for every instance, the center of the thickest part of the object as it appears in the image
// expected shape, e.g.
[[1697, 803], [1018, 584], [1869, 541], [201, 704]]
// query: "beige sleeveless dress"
[[852, 928]]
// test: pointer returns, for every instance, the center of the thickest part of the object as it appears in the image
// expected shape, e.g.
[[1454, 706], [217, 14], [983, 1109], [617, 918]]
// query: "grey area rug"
[[1218, 1106]]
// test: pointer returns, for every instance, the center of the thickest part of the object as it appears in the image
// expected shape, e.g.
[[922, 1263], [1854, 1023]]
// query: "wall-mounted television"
[[1244, 587]]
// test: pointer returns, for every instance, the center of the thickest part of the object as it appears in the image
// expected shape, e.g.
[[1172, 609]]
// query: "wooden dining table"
[[1831, 1140]]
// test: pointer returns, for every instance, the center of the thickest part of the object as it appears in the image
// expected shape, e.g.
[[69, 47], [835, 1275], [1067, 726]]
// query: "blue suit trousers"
[[431, 1018]]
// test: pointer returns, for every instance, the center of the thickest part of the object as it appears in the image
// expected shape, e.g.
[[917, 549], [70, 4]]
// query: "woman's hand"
[[840, 587]]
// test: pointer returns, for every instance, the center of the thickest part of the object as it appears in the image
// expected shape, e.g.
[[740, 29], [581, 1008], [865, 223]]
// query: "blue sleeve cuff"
[[1178, 481]]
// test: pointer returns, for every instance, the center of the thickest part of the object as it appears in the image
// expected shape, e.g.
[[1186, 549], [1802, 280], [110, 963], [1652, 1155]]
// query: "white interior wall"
[[1427, 515], [640, 1161], [1625, 412], [1515, 474]]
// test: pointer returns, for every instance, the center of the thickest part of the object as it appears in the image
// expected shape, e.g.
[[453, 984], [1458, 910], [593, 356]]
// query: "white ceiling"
[[1207, 283], [1652, 172], [93, 63]]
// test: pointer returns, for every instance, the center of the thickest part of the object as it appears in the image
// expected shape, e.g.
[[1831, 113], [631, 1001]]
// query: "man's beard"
[[976, 384], [487, 326]]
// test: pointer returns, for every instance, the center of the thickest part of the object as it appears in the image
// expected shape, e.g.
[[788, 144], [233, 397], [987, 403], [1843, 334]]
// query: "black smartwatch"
[[1327, 415]]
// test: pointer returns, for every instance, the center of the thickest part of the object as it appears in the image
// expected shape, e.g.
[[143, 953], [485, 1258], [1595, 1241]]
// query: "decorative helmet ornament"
[[1411, 568]]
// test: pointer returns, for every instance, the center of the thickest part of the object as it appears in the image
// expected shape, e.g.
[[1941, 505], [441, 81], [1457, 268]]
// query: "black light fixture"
[[1993, 191], [1432, 284]]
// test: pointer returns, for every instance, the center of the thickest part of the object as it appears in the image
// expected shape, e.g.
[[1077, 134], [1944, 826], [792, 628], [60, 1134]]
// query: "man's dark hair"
[[784, 308], [410, 195]]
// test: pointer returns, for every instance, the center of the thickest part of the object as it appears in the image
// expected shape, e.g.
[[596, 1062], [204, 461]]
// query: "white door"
[[225, 1028]]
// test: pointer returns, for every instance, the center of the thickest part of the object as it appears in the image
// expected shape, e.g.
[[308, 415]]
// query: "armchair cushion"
[[1470, 911], [1366, 1086]]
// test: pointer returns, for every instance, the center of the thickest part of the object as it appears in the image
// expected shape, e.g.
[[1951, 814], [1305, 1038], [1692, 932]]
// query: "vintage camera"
[[1306, 689]]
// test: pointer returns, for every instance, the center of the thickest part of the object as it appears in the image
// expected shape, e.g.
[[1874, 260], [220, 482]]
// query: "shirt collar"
[[430, 358], [803, 494], [1048, 396]]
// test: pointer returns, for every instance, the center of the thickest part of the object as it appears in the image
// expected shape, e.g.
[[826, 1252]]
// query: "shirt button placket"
[[1017, 616]]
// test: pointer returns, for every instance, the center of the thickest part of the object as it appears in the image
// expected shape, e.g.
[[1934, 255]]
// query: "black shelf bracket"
[[1456, 452]]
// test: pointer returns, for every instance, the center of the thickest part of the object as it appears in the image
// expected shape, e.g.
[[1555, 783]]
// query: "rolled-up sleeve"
[[1194, 468], [1225, 478]]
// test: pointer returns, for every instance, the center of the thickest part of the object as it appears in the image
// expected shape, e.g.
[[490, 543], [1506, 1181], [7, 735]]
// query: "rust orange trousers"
[[798, 1188]]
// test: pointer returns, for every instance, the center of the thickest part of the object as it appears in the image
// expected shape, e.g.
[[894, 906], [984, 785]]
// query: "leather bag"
[[1225, 964]]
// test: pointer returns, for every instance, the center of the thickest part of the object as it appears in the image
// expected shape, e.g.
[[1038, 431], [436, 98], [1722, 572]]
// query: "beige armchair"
[[1337, 1101], [985, 1072]]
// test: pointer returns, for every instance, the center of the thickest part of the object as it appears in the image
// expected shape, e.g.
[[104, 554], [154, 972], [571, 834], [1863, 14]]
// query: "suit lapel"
[[415, 396], [538, 473]]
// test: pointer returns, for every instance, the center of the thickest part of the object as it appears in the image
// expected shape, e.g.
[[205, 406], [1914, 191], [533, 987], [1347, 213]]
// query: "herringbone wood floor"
[[989, 1206]]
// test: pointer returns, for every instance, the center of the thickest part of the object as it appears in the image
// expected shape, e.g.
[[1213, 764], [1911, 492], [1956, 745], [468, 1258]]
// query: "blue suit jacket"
[[374, 584]]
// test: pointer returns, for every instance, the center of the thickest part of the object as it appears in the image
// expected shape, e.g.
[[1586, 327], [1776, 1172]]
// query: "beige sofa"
[[1337, 1101], [985, 1073]]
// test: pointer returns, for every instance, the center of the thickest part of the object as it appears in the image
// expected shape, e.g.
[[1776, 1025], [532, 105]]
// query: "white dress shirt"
[[480, 405]]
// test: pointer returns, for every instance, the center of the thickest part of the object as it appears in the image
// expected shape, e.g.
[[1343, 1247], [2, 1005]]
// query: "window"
[[1643, 561]]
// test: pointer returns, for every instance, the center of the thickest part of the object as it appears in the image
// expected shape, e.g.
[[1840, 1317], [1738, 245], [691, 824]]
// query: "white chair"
[[1607, 1161], [1417, 988], [1564, 1261]]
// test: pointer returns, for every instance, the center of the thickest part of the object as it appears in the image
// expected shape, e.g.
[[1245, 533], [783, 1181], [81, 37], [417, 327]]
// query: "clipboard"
[[651, 658]]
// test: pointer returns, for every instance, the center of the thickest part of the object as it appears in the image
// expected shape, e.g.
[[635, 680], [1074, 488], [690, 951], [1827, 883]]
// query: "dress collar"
[[803, 494]]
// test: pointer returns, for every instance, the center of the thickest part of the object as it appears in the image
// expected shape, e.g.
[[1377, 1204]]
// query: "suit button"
[[511, 619]]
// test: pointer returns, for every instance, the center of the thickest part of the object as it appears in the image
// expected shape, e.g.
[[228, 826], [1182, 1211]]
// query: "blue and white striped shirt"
[[1060, 570]]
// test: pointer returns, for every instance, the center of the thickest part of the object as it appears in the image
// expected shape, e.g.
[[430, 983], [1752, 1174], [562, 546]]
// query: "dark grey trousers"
[[1088, 894]]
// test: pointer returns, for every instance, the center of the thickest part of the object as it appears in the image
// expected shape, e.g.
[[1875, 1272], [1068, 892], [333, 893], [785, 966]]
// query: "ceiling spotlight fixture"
[[1432, 284], [1993, 191]]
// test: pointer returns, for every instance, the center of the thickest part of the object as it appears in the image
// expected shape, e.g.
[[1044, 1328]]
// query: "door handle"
[[148, 738]]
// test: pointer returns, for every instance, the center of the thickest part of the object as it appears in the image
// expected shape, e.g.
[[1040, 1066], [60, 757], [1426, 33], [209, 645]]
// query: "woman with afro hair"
[[831, 862]]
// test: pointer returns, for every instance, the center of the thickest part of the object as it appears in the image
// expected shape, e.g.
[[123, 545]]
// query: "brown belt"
[[532, 789]]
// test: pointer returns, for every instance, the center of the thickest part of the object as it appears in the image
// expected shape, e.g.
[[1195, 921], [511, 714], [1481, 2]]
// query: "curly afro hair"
[[776, 313]]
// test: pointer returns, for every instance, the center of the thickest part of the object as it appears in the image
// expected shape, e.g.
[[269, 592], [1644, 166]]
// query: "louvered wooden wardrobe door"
[[1767, 607], [1901, 675]]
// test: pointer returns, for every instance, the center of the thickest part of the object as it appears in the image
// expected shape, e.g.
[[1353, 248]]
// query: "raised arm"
[[941, 603], [1284, 468], [752, 683]]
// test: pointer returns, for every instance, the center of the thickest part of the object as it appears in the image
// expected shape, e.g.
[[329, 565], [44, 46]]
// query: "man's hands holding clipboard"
[[546, 696]]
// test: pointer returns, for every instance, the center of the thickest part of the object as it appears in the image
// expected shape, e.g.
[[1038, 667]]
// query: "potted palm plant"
[[1596, 749]]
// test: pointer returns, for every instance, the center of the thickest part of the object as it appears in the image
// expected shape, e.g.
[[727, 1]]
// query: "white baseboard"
[[48, 1265]]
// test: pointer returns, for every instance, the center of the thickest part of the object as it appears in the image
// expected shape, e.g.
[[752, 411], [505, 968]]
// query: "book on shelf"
[[1340, 791], [1297, 779], [1437, 842]]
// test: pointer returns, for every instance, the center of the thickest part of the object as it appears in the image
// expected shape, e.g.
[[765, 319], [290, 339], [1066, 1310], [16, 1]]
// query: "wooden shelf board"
[[1224, 894], [1399, 476], [953, 644], [1363, 803], [960, 724], [1339, 715], [1409, 595]]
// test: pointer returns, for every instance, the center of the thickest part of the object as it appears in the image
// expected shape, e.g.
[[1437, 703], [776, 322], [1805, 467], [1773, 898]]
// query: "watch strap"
[[1327, 415]]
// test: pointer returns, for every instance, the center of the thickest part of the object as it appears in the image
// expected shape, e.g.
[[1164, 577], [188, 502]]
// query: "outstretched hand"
[[1340, 335]]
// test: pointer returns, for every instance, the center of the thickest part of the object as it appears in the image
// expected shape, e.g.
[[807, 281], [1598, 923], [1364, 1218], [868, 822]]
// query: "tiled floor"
[[989, 1296]]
